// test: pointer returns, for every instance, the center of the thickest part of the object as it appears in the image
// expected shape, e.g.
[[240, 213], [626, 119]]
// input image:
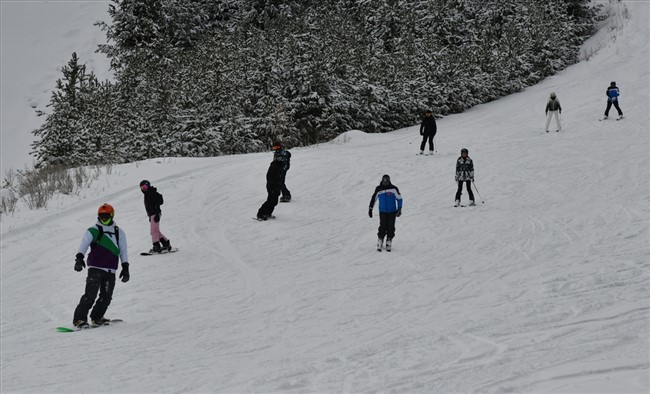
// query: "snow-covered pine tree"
[[63, 139]]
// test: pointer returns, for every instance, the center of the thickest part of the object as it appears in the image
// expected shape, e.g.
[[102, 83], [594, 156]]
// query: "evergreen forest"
[[202, 78]]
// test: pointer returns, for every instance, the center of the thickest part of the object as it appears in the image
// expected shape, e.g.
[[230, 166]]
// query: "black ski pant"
[[460, 190], [283, 188], [426, 137], [386, 225], [609, 106], [98, 281], [271, 201]]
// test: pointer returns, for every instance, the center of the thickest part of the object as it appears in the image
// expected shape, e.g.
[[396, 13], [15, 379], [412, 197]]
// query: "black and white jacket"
[[464, 169]]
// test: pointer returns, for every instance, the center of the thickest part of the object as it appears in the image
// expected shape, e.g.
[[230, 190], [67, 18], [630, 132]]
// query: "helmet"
[[464, 150], [552, 94], [144, 185], [105, 214], [385, 179], [613, 83], [106, 209], [277, 145]]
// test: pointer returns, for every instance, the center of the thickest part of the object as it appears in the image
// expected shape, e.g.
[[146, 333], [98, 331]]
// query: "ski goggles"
[[144, 187], [105, 216]]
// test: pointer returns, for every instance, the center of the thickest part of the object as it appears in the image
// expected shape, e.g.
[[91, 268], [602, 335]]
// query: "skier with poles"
[[613, 93], [464, 174], [390, 207], [280, 151], [152, 202], [108, 245], [428, 131], [553, 108]]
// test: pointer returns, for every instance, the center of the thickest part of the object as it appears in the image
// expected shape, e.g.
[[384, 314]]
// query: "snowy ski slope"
[[544, 288]]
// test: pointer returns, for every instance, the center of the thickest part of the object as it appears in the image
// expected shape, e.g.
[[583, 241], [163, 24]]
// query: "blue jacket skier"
[[390, 207], [108, 246], [612, 93]]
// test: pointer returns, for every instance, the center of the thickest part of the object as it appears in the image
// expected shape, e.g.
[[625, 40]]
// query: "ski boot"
[[380, 244], [457, 203], [285, 199], [389, 244], [166, 245], [472, 203], [156, 248], [81, 324], [101, 322]]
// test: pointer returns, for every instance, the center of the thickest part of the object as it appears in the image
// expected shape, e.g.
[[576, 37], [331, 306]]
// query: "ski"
[[152, 253], [74, 329]]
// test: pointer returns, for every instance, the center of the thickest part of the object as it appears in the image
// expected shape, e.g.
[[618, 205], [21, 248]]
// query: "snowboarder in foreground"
[[464, 174], [428, 130], [390, 207], [152, 202], [107, 244], [274, 178], [612, 98], [553, 108], [280, 151]]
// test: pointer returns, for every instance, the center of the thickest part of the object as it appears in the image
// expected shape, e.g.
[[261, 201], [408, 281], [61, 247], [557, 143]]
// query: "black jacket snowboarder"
[[428, 130], [152, 202], [274, 178], [280, 153]]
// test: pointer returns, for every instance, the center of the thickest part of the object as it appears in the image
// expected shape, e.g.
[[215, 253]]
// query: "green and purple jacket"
[[105, 251]]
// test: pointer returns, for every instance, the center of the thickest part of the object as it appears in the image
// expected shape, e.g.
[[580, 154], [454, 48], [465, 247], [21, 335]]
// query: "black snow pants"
[[460, 190], [426, 137], [386, 225], [285, 192], [269, 205], [98, 281], [609, 106]]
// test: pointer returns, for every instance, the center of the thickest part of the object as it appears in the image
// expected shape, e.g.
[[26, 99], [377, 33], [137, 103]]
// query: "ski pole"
[[479, 193], [435, 146]]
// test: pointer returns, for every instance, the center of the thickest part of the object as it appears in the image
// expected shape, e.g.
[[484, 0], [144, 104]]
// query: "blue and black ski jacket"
[[389, 198]]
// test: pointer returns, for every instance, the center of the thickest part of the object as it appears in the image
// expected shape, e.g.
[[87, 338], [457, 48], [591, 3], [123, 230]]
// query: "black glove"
[[124, 274], [370, 212], [156, 218], [399, 213], [79, 263]]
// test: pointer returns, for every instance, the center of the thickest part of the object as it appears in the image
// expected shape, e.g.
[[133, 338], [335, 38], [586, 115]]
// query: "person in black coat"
[[280, 151], [428, 130], [152, 202], [274, 179]]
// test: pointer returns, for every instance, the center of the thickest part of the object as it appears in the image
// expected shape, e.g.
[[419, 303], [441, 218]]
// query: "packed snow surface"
[[543, 288]]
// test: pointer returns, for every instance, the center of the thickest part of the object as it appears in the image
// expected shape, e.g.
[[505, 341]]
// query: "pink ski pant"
[[156, 235]]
